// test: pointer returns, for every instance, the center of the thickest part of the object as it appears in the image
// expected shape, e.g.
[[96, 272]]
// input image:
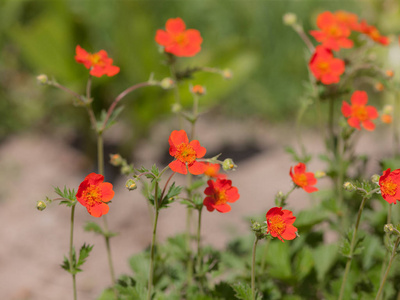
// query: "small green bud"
[[167, 83], [176, 107], [289, 19], [319, 174], [42, 79], [131, 185], [255, 226], [228, 164], [375, 178], [227, 74], [41, 205], [348, 186], [388, 228], [126, 169], [116, 160]]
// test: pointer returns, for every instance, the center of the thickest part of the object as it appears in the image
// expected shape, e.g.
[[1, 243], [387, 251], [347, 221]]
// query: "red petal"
[[288, 217], [325, 19], [81, 54], [200, 151], [208, 202], [273, 212], [175, 25], [163, 38], [354, 122], [197, 168], [310, 189], [112, 70], [300, 168], [310, 178], [359, 98], [329, 78], [98, 210], [337, 66], [178, 167], [232, 194], [178, 137], [372, 112], [224, 208], [97, 71], [94, 179], [346, 109], [107, 192], [370, 126], [289, 233]]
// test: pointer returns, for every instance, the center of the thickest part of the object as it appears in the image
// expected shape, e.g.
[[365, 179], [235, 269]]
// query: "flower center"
[[361, 113], [277, 225], [95, 59], [323, 67], [220, 197], [334, 31], [185, 153], [93, 195], [388, 187], [181, 39], [300, 179]]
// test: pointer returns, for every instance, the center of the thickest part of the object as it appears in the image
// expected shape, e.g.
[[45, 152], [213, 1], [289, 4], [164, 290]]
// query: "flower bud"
[[126, 169], [255, 226], [198, 90], [389, 73], [42, 79], [388, 109], [227, 74], [41, 205], [388, 228], [375, 178], [131, 185], [379, 87], [387, 119], [116, 160], [167, 83], [176, 107], [289, 19], [319, 174], [228, 164], [348, 186]]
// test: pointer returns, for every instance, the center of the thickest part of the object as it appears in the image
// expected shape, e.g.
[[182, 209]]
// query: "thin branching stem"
[[71, 249], [253, 271]]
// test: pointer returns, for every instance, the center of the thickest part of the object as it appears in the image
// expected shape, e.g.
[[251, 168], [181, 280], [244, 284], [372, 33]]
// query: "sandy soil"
[[34, 243]]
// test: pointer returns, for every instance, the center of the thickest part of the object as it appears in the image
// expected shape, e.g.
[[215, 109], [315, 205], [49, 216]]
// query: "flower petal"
[[359, 98], [200, 151], [196, 168], [178, 167], [98, 210], [107, 192]]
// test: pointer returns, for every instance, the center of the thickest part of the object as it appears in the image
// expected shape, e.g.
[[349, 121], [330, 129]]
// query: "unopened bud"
[[116, 160], [42, 79], [348, 186], [319, 174], [379, 87], [228, 164], [131, 185], [126, 169], [198, 90], [388, 228], [255, 226], [167, 83], [387, 119], [41, 205], [176, 107], [289, 19], [388, 109], [227, 74], [375, 178], [389, 73]]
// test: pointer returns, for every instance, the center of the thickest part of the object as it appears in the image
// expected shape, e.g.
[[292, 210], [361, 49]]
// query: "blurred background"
[[45, 141]]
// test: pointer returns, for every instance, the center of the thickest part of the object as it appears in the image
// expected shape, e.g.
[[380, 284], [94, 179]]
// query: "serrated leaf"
[[196, 184], [308, 218], [83, 255], [243, 292], [155, 170], [278, 259], [324, 257], [303, 263], [92, 226], [113, 117]]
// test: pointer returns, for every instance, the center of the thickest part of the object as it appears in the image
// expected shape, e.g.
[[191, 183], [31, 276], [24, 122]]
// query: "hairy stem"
[[253, 272], [71, 239]]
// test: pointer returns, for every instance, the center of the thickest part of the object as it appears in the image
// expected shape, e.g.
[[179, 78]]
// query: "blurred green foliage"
[[267, 57]]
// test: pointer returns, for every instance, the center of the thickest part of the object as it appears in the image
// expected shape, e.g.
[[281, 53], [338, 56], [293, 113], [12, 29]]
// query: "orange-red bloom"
[[303, 179], [178, 40], [218, 193], [99, 63], [373, 33], [185, 153], [389, 183], [325, 67], [93, 193], [280, 223], [212, 170], [333, 34], [358, 112], [348, 19]]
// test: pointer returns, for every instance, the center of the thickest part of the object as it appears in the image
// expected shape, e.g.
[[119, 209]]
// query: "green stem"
[[253, 272], [264, 256], [153, 241], [396, 244], [396, 125], [199, 254], [353, 242], [176, 88], [71, 248]]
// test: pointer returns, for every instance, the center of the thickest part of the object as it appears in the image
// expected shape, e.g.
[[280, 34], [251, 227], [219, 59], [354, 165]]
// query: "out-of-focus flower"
[[379, 87], [389, 73], [325, 67], [289, 19], [212, 170], [373, 33], [219, 193], [98, 63], [332, 34], [178, 40], [348, 19], [185, 153], [42, 78], [387, 113], [227, 74], [303, 179], [198, 90], [93, 193], [390, 185], [167, 83], [358, 112], [280, 223]]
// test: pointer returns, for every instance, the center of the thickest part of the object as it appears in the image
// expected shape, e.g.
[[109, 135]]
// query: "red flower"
[[389, 183], [218, 193], [212, 170], [359, 113], [325, 67], [280, 223], [93, 193], [348, 19], [303, 179], [185, 153], [177, 40], [99, 63], [334, 34], [373, 33]]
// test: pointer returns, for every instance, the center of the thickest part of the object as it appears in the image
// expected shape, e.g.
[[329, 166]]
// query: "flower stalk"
[[71, 249]]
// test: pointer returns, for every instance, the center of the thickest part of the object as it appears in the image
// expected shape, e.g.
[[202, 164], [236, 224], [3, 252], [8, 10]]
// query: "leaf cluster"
[[74, 266]]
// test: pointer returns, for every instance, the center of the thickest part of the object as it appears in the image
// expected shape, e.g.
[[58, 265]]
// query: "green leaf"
[[196, 184], [324, 258], [308, 218], [69, 196], [139, 264], [303, 263], [243, 292], [83, 255], [155, 170], [278, 259], [92, 226]]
